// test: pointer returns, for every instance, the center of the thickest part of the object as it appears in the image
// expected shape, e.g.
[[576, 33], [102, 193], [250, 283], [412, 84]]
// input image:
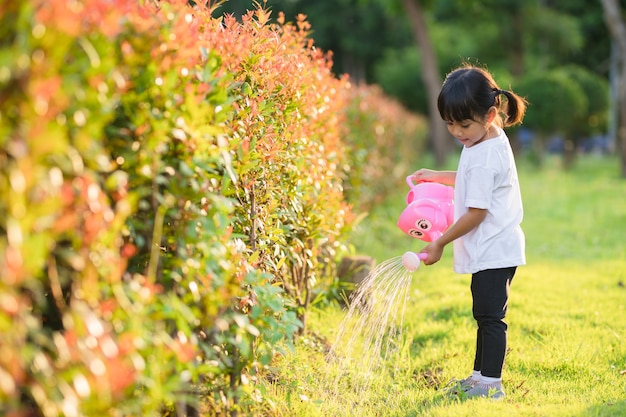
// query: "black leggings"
[[490, 292]]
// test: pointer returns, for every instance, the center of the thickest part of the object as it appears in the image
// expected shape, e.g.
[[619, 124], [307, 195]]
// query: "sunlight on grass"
[[567, 335]]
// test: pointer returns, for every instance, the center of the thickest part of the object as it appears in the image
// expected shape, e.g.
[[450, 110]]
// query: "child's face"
[[469, 132]]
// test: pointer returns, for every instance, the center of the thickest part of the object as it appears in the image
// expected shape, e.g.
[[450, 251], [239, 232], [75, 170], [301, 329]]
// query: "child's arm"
[[467, 222], [430, 175]]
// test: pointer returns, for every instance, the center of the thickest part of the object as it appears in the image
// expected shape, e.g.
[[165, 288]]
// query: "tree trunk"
[[617, 28], [438, 136], [569, 153], [517, 45]]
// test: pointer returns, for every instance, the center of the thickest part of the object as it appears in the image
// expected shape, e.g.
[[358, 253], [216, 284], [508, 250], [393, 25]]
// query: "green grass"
[[567, 316]]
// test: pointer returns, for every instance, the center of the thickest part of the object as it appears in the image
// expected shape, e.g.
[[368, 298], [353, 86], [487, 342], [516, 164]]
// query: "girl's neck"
[[490, 133]]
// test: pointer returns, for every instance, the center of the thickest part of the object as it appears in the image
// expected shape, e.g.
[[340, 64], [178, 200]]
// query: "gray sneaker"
[[457, 387], [491, 391]]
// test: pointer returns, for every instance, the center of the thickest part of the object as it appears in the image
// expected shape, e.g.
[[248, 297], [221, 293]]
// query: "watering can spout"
[[411, 260]]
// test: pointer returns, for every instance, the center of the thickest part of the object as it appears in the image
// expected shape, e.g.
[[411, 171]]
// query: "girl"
[[487, 237]]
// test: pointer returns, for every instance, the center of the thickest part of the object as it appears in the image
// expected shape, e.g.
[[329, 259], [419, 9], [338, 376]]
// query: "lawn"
[[567, 317]]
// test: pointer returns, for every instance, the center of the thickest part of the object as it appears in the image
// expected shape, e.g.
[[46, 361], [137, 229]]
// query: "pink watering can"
[[430, 210]]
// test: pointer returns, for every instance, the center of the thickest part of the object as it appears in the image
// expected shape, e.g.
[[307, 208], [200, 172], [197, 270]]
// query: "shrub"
[[596, 89], [554, 101], [384, 140], [122, 275], [291, 211], [171, 197]]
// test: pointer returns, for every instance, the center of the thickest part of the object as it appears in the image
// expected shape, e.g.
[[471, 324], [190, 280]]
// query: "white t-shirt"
[[486, 178]]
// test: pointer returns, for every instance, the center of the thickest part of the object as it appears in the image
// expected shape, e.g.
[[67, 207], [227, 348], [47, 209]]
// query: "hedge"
[[172, 196]]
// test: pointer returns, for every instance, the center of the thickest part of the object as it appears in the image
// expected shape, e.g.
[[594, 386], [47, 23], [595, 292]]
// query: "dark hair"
[[469, 92]]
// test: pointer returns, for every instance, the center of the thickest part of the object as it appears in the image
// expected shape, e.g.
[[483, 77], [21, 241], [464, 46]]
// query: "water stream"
[[369, 334]]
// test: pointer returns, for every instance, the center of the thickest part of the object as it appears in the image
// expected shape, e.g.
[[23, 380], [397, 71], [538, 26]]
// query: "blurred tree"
[[396, 75], [596, 49], [439, 138], [617, 28], [513, 36], [594, 119], [487, 23], [518, 34], [554, 102]]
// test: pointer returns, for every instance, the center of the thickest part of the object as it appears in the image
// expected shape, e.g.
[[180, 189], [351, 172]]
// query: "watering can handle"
[[409, 181]]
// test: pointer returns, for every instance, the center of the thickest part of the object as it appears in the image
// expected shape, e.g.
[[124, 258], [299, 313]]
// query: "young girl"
[[487, 237]]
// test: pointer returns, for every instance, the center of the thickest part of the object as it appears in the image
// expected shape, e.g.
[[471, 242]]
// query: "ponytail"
[[515, 108]]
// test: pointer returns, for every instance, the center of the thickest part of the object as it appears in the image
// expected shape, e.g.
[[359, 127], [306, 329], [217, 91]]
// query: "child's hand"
[[424, 175], [434, 251], [431, 175]]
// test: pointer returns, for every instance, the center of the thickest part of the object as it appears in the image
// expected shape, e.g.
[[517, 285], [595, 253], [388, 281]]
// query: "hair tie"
[[501, 92]]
